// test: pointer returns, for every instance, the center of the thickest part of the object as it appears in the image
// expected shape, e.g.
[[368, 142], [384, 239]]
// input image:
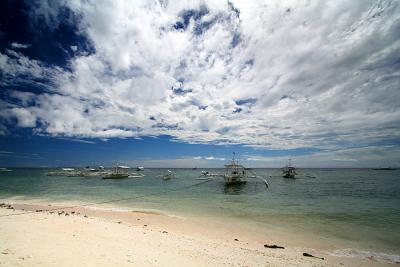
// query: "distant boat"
[[168, 175], [289, 171], [204, 173], [140, 168], [63, 172], [118, 173], [83, 172], [5, 170], [208, 174], [384, 169]]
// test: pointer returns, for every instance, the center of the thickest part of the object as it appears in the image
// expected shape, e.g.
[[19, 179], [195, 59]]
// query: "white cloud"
[[25, 117], [371, 156], [213, 158], [322, 74], [20, 46]]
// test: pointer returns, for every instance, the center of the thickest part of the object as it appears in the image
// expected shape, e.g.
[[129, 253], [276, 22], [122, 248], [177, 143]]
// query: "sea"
[[358, 207]]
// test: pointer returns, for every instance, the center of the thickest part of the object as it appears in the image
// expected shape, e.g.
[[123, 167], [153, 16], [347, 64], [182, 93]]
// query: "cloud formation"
[[20, 46], [285, 74]]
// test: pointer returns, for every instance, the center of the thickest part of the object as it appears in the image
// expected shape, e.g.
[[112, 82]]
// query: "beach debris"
[[145, 225], [305, 254], [6, 251], [164, 232], [67, 214], [236, 239], [85, 216], [39, 210], [72, 212], [119, 222], [7, 206], [51, 212], [273, 246]]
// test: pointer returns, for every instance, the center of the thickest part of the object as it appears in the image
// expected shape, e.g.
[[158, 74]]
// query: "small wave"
[[355, 253]]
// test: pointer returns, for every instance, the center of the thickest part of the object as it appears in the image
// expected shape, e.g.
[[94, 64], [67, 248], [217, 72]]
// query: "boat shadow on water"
[[244, 188], [234, 189]]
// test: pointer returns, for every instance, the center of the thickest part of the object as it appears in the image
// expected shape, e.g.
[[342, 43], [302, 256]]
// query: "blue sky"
[[150, 151], [169, 84]]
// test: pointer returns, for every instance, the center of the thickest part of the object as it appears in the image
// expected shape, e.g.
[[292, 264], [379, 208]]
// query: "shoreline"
[[231, 243]]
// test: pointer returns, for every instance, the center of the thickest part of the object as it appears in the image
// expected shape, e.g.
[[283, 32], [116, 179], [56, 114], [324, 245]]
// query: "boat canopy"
[[123, 167], [234, 166]]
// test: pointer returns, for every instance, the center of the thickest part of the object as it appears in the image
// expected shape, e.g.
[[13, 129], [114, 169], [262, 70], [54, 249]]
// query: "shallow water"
[[357, 206]]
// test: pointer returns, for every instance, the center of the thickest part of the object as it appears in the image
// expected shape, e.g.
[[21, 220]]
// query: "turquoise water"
[[359, 206]]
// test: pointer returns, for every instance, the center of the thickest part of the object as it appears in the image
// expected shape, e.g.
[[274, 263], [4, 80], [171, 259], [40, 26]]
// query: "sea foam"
[[355, 253]]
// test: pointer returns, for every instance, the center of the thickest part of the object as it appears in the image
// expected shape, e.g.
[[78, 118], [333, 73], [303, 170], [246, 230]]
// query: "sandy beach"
[[48, 234]]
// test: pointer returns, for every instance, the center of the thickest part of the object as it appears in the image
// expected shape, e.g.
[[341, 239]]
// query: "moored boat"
[[118, 172], [234, 172], [289, 171], [168, 175]]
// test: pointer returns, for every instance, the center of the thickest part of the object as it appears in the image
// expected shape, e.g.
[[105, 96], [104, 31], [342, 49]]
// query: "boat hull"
[[231, 180], [233, 183], [290, 176], [116, 176]]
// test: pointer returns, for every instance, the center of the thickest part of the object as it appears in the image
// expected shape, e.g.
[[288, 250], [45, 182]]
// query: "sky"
[[187, 83]]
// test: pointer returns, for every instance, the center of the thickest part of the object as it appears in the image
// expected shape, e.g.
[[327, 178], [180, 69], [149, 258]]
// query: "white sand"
[[117, 238]]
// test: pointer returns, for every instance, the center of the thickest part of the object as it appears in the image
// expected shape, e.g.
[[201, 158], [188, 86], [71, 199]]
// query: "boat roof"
[[234, 165], [68, 169], [123, 167]]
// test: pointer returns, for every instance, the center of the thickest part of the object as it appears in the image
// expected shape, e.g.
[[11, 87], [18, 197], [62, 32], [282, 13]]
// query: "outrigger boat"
[[289, 171], [118, 173], [168, 175], [235, 174]]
